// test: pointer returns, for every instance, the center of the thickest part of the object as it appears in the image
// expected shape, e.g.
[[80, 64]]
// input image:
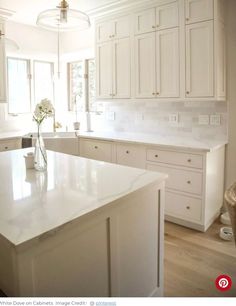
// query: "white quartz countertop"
[[155, 139], [33, 203], [12, 134]]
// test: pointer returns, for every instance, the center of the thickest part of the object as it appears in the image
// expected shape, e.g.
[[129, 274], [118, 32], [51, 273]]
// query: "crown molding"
[[5, 13]]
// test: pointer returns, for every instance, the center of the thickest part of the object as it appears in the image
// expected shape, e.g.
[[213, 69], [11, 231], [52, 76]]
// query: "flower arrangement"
[[43, 110]]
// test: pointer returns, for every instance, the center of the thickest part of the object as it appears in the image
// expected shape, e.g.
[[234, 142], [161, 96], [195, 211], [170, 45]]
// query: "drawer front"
[[8, 145], [182, 180], [128, 155], [94, 149], [183, 207], [175, 158]]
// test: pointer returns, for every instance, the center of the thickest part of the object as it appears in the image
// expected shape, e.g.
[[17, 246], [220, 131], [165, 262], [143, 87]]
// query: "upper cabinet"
[[113, 59], [2, 64], [198, 10], [163, 50], [158, 18], [115, 29]]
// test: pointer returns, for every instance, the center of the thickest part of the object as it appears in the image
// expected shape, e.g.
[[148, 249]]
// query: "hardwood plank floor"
[[193, 260]]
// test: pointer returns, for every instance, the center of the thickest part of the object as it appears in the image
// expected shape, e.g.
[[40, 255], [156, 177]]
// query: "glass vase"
[[40, 154]]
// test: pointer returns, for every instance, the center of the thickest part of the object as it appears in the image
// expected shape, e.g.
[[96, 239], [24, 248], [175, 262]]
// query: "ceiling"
[[26, 11]]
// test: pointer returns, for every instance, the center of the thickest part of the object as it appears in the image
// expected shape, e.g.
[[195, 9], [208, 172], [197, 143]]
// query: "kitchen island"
[[83, 228]]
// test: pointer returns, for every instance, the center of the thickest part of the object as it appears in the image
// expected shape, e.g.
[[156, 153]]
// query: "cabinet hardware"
[[95, 147], [187, 92], [189, 182], [153, 93], [1, 34], [6, 148], [188, 207], [187, 19], [189, 160], [157, 93], [153, 27], [127, 152], [156, 155]]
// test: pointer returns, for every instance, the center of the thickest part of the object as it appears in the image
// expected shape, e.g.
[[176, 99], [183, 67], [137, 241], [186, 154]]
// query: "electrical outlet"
[[110, 116], [203, 119], [215, 120], [174, 118]]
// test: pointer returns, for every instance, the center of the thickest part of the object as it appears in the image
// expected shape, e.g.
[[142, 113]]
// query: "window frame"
[[71, 104], [52, 76], [29, 80]]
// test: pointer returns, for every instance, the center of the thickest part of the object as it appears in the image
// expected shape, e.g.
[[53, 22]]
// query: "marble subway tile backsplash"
[[153, 117]]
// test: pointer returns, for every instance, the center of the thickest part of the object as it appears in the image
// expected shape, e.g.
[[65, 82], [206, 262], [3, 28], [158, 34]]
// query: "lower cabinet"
[[10, 144], [96, 149], [195, 184]]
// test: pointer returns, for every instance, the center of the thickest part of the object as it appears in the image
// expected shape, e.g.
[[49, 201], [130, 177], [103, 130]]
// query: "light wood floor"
[[193, 260]]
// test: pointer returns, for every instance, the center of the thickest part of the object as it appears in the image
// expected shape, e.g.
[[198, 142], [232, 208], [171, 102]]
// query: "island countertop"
[[33, 203]]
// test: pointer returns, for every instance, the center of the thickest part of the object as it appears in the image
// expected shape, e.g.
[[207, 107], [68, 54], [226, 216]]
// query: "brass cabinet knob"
[[96, 147], [187, 92], [187, 19], [188, 182], [157, 93], [189, 160], [6, 148], [153, 94], [127, 152], [188, 207], [156, 155], [153, 27]]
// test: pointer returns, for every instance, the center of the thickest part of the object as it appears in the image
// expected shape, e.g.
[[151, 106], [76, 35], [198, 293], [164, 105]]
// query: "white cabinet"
[[167, 63], [145, 79], [130, 155], [157, 64], [198, 10], [96, 149], [200, 60], [2, 64], [10, 144], [161, 17], [113, 29], [104, 60], [113, 69]]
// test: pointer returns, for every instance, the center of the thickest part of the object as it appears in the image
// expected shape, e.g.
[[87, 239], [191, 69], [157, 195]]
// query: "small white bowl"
[[29, 160]]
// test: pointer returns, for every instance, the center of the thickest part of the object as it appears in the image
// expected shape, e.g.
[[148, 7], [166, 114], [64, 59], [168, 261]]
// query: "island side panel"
[[115, 251]]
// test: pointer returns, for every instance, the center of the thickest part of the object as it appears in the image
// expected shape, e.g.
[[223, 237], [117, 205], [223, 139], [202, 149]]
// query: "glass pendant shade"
[[63, 19]]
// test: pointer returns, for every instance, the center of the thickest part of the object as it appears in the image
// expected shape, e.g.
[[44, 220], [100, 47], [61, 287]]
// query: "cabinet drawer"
[[8, 145], [198, 10], [182, 180], [96, 149], [183, 207], [128, 155], [175, 158]]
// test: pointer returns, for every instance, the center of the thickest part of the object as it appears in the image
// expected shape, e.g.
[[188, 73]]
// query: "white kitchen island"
[[83, 228]]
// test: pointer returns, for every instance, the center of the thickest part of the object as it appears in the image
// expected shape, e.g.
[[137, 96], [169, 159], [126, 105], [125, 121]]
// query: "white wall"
[[231, 91]]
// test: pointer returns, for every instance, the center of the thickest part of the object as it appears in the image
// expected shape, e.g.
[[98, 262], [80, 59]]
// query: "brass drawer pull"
[[189, 182], [187, 92], [156, 155], [127, 152], [188, 207], [6, 148], [96, 147], [153, 27], [189, 160]]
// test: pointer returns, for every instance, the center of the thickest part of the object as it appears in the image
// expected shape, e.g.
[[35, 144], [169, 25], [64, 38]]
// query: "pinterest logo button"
[[223, 282]]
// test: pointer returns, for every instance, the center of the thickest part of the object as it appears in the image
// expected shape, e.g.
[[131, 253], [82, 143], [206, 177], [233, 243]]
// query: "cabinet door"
[[199, 60], [145, 78], [2, 67], [145, 21], [198, 10], [105, 31], [132, 156], [95, 149], [220, 60], [167, 16], [121, 68], [122, 27], [104, 70], [167, 63]]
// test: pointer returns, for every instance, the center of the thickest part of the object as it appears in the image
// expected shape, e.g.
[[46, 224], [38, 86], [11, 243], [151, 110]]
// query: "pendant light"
[[63, 17], [10, 44]]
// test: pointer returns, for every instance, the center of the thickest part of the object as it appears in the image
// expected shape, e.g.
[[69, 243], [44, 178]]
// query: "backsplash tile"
[[155, 114]]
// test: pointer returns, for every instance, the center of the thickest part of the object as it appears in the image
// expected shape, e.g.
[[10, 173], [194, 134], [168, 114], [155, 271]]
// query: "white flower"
[[43, 110]]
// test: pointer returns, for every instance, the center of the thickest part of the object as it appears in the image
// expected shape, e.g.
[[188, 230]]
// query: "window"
[[18, 85], [21, 88], [43, 81], [82, 90]]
